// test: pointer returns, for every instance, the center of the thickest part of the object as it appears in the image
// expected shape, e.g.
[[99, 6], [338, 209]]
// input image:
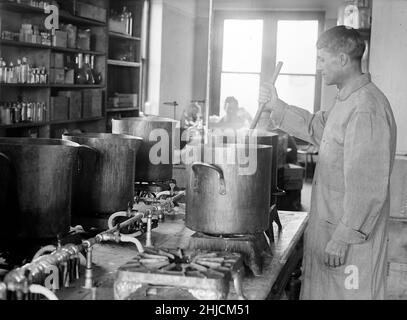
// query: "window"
[[241, 63], [247, 45], [296, 48]]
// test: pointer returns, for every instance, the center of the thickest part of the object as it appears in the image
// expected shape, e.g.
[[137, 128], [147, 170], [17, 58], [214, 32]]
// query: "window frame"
[[270, 19]]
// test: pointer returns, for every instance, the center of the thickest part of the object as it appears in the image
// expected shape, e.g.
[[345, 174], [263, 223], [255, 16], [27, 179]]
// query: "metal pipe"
[[49, 248], [126, 238], [37, 289], [149, 226], [16, 279], [88, 270]]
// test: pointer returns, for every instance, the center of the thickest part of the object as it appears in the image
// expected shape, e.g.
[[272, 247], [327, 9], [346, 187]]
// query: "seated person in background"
[[191, 116], [235, 117], [191, 121]]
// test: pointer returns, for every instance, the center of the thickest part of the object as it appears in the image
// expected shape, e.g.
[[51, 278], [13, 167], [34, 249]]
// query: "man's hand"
[[268, 96], [335, 253]]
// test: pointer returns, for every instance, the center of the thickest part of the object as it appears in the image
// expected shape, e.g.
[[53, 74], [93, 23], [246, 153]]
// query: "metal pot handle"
[[222, 183]]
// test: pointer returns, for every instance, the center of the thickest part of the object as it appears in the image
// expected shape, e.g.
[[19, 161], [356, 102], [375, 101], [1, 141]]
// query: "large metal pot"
[[154, 159], [104, 183], [224, 197], [251, 136], [41, 180], [5, 173]]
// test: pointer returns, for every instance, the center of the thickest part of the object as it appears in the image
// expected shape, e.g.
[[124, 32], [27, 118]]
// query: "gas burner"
[[251, 246], [164, 195], [155, 186], [204, 274]]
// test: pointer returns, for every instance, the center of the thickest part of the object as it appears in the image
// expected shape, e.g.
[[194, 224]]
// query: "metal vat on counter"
[[252, 136], [41, 178], [226, 198], [5, 174], [154, 159], [104, 183]]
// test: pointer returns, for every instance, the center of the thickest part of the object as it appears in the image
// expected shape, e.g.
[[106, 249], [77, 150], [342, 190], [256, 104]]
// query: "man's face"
[[329, 64]]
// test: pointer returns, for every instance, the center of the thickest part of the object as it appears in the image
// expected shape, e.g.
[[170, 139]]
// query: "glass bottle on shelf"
[[130, 30], [96, 75], [81, 77], [88, 70], [1, 70], [5, 71], [10, 73], [24, 70], [18, 71]]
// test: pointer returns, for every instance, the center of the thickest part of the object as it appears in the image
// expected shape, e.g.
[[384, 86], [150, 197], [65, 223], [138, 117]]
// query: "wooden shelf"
[[78, 86], [111, 110], [63, 16], [46, 123], [25, 85], [53, 85], [123, 36], [12, 43], [123, 63]]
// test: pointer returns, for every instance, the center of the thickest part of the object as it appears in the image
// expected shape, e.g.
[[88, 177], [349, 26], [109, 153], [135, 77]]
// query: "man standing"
[[345, 245]]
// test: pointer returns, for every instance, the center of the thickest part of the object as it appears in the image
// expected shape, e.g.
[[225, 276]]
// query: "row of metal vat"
[[44, 181]]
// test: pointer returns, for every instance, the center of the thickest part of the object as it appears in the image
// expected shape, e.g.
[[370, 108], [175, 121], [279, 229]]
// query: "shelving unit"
[[125, 63], [45, 123], [13, 14], [117, 57], [63, 16], [111, 110]]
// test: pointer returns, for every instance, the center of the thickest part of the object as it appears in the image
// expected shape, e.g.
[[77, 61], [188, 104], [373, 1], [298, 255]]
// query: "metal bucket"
[[104, 183], [225, 198], [41, 180], [154, 159]]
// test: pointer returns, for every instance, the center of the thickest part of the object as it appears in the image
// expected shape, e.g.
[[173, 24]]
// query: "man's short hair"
[[342, 39]]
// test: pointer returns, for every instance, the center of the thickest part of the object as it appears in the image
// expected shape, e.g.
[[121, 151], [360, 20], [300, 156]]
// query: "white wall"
[[174, 71], [330, 6], [154, 58], [388, 59]]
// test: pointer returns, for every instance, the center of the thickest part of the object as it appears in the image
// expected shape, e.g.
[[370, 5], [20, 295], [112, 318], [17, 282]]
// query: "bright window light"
[[241, 63]]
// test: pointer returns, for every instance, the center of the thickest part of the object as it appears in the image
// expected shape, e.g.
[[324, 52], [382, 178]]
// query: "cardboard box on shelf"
[[92, 103], [127, 99], [69, 76], [89, 11], [59, 108], [57, 60], [117, 26], [75, 103], [60, 39], [83, 39], [57, 76]]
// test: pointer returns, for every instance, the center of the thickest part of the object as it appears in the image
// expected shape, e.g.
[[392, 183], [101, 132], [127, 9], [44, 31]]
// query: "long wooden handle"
[[261, 107]]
